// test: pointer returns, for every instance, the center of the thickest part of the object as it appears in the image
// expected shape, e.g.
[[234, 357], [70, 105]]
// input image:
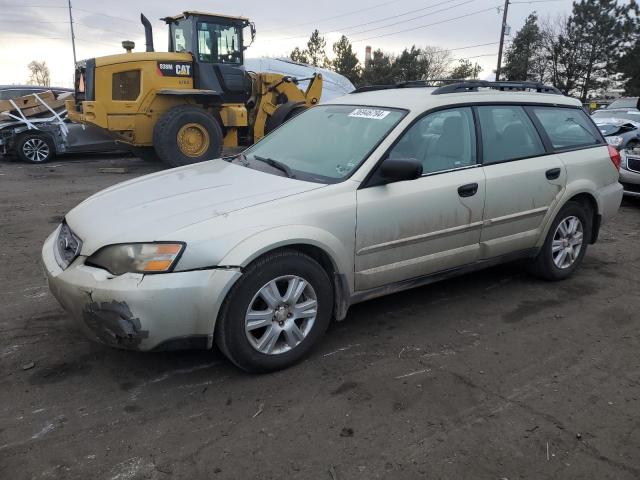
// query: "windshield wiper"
[[276, 164]]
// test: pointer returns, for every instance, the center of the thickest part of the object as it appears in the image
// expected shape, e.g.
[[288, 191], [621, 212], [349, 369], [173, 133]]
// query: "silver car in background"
[[379, 191]]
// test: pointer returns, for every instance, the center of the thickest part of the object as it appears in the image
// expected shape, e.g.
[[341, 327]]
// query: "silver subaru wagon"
[[378, 191]]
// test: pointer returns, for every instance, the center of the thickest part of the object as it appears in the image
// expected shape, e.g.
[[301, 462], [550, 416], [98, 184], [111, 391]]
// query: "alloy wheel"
[[36, 150], [567, 242], [281, 315]]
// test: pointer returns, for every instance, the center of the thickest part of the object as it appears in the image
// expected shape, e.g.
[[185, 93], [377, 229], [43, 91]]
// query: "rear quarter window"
[[568, 127]]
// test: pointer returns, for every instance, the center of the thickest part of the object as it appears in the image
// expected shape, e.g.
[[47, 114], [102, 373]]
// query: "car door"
[[523, 180], [430, 224]]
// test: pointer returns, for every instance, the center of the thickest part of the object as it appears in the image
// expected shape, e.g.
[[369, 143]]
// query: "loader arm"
[[278, 92]]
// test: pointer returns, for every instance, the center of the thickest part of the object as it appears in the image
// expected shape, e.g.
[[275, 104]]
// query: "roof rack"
[[433, 83], [473, 85]]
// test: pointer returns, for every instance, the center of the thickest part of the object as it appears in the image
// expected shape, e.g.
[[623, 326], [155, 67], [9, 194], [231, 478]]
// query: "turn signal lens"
[[137, 257]]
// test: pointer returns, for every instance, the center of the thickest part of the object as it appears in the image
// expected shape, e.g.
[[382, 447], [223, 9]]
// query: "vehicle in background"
[[14, 91], [621, 128], [39, 138], [630, 172], [385, 189], [624, 103]]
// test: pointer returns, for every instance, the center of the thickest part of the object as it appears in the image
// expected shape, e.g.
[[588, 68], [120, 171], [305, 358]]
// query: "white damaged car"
[[379, 191]]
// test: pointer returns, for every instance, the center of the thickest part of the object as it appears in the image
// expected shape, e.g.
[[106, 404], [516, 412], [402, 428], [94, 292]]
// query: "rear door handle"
[[553, 173], [468, 190]]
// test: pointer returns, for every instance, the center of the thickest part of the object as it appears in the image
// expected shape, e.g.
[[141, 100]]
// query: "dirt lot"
[[489, 376]]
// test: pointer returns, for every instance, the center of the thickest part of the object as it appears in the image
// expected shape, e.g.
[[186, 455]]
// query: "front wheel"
[[187, 134], [35, 148], [275, 313], [566, 243]]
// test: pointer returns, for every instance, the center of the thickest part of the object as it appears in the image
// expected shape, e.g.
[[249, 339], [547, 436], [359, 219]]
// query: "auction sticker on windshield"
[[374, 113]]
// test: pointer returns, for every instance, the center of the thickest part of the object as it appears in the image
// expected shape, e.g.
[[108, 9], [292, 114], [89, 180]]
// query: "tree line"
[[415, 63], [595, 47]]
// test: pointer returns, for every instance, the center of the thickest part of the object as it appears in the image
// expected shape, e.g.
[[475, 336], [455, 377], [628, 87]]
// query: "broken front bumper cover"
[[136, 311]]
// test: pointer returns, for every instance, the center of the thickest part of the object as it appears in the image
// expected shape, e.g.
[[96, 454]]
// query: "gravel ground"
[[488, 376]]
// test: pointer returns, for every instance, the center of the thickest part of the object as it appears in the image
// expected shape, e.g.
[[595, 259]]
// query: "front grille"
[[67, 247], [633, 164]]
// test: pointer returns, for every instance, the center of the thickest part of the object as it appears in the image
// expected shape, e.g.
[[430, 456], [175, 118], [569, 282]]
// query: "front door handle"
[[553, 173], [468, 190]]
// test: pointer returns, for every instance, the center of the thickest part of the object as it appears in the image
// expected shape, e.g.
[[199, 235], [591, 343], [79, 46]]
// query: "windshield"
[[631, 102], [632, 115], [219, 43], [327, 143]]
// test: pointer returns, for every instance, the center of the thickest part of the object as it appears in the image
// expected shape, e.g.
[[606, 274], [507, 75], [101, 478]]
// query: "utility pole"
[[73, 37], [504, 25]]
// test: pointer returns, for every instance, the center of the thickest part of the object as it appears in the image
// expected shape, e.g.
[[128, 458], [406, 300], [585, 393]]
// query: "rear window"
[[567, 127], [633, 102]]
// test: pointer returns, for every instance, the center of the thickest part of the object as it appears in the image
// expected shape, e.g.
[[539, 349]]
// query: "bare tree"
[[435, 62], [39, 73]]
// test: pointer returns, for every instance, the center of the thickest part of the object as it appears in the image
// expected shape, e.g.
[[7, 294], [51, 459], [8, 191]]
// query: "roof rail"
[[473, 85], [433, 83]]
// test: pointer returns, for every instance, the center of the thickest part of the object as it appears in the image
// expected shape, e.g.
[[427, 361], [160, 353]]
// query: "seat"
[[447, 151]]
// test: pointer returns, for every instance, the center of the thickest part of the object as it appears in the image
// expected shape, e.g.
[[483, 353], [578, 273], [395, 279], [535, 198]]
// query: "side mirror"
[[399, 169]]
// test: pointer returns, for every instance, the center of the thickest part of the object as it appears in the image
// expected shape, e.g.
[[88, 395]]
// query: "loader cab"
[[216, 43]]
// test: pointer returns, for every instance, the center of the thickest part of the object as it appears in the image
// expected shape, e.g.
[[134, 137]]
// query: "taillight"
[[614, 155]]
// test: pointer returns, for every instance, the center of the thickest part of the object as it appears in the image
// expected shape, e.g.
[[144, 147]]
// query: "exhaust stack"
[[148, 33]]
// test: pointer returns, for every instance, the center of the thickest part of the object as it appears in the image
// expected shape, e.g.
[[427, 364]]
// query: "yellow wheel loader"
[[183, 106]]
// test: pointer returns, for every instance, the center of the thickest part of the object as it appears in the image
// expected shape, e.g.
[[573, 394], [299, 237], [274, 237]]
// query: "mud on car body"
[[378, 191]]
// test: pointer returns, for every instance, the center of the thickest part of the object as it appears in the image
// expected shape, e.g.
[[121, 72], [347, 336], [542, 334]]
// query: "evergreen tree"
[[379, 70], [316, 50], [345, 61], [299, 56], [598, 30], [465, 70], [523, 57], [314, 54], [629, 67]]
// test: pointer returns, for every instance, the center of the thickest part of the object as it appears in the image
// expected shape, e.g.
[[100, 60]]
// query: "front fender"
[[265, 241]]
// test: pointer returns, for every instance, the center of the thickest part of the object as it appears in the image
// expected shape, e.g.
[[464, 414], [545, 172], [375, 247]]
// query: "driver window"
[[443, 140]]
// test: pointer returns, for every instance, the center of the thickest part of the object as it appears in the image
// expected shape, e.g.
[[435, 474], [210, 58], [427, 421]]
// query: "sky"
[[39, 29]]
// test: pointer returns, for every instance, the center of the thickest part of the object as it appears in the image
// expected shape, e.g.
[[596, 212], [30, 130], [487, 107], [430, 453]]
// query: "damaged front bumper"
[[136, 311]]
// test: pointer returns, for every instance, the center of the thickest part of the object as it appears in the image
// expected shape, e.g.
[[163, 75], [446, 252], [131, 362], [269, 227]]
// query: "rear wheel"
[[35, 148], [275, 313], [187, 134], [566, 243]]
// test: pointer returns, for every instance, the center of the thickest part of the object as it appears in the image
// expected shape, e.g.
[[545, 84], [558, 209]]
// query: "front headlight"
[[137, 257], [615, 140]]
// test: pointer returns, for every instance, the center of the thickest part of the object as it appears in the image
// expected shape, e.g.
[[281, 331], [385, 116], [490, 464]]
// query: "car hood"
[[152, 207]]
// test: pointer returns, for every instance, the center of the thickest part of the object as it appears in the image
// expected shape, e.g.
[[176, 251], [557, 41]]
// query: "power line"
[[75, 8], [425, 26], [413, 18], [350, 27], [345, 14]]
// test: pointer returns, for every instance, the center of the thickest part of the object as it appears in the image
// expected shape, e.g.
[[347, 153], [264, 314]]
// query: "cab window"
[[443, 140], [507, 134], [219, 43]]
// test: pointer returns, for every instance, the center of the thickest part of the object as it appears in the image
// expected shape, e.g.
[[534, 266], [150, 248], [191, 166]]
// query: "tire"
[[242, 346], [549, 265], [199, 131], [35, 148], [283, 114]]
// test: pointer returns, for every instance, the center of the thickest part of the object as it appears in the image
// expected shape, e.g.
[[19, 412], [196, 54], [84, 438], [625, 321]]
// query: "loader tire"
[[283, 114], [187, 134]]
